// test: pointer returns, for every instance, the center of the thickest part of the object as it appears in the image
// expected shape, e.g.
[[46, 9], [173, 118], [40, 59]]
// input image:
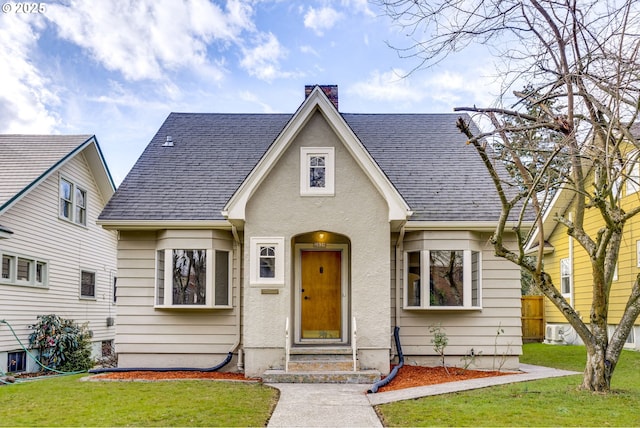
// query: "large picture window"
[[193, 278], [443, 279]]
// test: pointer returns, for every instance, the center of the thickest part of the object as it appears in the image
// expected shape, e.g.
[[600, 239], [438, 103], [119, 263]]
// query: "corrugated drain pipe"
[[394, 372], [163, 369]]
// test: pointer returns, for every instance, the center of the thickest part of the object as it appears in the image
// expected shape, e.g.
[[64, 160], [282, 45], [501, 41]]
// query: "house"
[[271, 236], [55, 259], [570, 269]]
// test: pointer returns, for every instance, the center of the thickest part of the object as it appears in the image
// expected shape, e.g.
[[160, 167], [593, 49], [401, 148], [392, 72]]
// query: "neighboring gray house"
[[55, 259], [283, 237]]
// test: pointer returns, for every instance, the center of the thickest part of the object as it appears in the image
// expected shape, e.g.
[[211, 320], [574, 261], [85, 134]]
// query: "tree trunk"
[[598, 370]]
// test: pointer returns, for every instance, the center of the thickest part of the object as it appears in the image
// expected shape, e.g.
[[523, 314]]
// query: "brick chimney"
[[331, 91]]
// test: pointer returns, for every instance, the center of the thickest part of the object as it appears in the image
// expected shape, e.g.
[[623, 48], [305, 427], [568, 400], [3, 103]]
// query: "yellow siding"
[[627, 264]]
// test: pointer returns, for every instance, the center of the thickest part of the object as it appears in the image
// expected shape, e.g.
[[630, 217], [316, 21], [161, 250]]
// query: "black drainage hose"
[[394, 372], [163, 369]]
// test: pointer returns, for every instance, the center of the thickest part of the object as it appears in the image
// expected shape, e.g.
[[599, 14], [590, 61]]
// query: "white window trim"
[[633, 173], [13, 278], [95, 285], [229, 279], [254, 261], [72, 213], [425, 292], [305, 186], [569, 275]]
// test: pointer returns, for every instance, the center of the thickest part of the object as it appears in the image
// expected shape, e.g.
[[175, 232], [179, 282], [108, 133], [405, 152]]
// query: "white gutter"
[[486, 226], [237, 250], [163, 224], [399, 269]]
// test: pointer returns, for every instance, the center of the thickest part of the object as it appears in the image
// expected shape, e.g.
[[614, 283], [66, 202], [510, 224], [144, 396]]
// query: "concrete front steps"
[[321, 365]]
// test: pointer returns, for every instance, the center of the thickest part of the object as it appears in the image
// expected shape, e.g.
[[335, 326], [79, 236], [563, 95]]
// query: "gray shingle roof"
[[25, 158], [423, 155]]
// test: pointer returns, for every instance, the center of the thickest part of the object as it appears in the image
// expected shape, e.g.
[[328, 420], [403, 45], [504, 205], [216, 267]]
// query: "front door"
[[321, 282]]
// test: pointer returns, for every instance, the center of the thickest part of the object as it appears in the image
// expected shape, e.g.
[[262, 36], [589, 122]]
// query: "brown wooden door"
[[320, 294]]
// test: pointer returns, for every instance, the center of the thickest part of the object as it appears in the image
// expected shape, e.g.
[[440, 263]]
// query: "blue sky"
[[117, 68]]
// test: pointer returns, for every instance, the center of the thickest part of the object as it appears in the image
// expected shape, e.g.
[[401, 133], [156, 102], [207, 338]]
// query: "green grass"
[[66, 401], [548, 402]]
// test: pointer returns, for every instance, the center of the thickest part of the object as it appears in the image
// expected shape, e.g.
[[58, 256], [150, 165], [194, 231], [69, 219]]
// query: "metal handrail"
[[287, 345], [354, 346]]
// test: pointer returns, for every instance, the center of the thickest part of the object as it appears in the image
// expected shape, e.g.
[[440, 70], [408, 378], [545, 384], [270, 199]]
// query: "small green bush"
[[63, 344]]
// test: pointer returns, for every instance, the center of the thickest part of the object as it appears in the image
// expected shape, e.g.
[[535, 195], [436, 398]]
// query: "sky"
[[117, 68]]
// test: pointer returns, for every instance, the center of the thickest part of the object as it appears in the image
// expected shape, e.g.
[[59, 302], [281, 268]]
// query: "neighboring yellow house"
[[568, 263]]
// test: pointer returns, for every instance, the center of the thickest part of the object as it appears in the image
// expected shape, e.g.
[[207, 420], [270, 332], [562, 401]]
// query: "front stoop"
[[321, 365]]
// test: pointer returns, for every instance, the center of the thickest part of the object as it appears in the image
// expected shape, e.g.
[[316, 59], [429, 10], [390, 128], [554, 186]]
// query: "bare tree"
[[574, 124]]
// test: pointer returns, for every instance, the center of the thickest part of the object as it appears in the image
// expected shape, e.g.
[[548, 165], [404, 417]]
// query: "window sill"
[[443, 308], [66, 220], [191, 307], [24, 284], [89, 298]]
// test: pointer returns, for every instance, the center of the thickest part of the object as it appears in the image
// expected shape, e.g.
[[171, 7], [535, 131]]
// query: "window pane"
[[24, 269], [565, 276], [160, 278], [40, 272], [267, 262], [65, 199], [413, 279], [88, 284], [475, 278], [189, 277], [446, 274], [317, 172], [222, 278], [6, 267], [81, 204]]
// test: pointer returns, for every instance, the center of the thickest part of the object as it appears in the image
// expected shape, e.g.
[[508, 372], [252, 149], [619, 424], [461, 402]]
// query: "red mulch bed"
[[412, 376], [145, 375], [407, 377]]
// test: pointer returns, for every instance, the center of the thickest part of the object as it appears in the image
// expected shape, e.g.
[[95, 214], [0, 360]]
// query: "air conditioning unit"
[[554, 334]]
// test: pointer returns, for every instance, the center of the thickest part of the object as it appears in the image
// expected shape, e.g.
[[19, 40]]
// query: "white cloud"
[[262, 60], [142, 38], [253, 98], [26, 95], [322, 19], [389, 86], [359, 6], [306, 49]]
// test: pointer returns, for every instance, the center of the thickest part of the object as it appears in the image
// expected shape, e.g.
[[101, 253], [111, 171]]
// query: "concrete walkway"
[[348, 405]]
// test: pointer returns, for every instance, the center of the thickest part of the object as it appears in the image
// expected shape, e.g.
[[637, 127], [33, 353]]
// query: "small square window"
[[317, 171], [16, 361], [267, 260], [88, 284]]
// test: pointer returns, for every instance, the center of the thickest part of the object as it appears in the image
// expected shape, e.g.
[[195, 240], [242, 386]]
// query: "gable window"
[[23, 270], [317, 172], [197, 278], [87, 284], [565, 276], [73, 202], [267, 260], [442, 279]]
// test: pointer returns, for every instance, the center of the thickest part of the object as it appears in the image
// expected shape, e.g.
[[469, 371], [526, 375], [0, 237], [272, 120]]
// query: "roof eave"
[[162, 224], [480, 226]]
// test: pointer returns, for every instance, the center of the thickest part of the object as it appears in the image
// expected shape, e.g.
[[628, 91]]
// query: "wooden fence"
[[532, 319]]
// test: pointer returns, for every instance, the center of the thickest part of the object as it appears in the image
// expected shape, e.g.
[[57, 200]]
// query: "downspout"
[[394, 372], [236, 247], [237, 250], [399, 267]]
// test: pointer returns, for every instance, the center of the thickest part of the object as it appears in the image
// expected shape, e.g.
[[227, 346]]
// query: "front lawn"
[[548, 402], [66, 401]]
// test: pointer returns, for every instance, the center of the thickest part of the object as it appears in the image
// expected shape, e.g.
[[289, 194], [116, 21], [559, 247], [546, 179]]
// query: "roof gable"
[[28, 160], [317, 101]]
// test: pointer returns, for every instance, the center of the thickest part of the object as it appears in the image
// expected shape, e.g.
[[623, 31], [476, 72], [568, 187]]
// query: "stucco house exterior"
[[569, 266], [271, 236], [55, 259]]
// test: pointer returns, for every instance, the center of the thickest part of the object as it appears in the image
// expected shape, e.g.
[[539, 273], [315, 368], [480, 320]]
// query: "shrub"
[[63, 344]]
